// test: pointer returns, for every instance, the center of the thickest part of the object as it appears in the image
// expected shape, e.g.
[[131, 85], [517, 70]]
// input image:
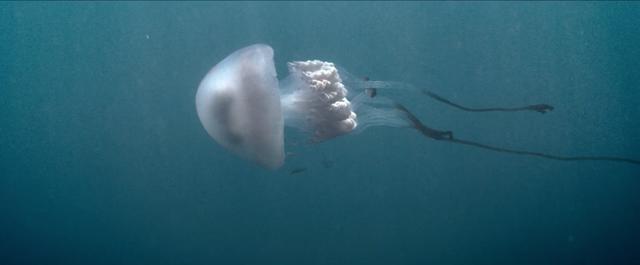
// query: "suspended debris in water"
[[327, 163], [371, 92], [297, 170]]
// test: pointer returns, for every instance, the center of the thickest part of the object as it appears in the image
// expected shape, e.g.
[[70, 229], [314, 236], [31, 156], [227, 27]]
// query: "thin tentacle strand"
[[541, 108]]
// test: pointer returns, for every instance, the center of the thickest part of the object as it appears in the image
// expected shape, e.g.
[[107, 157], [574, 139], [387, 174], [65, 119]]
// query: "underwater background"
[[103, 159]]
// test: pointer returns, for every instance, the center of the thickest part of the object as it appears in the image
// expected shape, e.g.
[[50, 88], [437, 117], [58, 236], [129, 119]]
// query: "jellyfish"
[[244, 107]]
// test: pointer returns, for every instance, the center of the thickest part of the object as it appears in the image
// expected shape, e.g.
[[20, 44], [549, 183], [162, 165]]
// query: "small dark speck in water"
[[371, 92], [327, 163], [297, 170]]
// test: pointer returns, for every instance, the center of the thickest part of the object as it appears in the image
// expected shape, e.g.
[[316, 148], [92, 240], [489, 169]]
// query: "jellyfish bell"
[[238, 104]]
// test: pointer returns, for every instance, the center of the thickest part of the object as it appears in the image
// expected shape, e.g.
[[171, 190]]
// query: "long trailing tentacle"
[[543, 155], [364, 83], [448, 137], [541, 108]]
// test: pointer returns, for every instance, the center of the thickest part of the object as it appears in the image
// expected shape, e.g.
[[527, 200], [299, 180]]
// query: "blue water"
[[104, 161]]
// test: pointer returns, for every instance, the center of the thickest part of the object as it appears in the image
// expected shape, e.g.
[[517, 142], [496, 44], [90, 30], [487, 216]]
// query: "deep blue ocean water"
[[103, 159]]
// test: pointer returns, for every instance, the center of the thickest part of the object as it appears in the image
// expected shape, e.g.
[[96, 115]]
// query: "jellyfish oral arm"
[[315, 100]]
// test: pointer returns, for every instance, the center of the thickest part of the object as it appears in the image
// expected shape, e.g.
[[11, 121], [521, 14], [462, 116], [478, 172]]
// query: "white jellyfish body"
[[242, 106]]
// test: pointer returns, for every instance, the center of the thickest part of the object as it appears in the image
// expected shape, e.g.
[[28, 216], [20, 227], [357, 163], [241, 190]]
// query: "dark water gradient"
[[103, 160]]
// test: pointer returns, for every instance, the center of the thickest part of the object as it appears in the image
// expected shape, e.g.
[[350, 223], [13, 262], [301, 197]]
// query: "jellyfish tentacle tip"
[[541, 108]]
